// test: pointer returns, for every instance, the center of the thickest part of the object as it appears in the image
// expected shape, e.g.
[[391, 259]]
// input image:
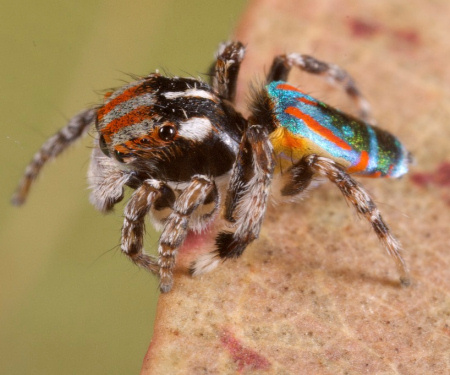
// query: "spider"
[[189, 154]]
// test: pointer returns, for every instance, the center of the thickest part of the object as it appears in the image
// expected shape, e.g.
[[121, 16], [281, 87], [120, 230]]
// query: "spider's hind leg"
[[283, 64], [301, 174]]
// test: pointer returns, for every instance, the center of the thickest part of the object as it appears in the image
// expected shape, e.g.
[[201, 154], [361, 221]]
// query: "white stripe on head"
[[193, 93], [196, 128]]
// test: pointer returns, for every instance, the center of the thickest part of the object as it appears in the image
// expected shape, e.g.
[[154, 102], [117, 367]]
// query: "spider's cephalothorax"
[[181, 145]]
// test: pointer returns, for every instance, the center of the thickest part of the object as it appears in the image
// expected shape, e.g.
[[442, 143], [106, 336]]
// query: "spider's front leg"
[[246, 200], [226, 69], [200, 190], [283, 64], [301, 174], [151, 192]]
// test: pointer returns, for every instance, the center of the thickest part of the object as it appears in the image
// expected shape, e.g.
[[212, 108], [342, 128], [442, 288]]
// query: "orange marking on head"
[[126, 95], [307, 101], [362, 163], [288, 87], [317, 128], [133, 117]]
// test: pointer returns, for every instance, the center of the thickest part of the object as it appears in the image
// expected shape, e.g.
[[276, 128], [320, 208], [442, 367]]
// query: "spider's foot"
[[204, 263], [166, 285]]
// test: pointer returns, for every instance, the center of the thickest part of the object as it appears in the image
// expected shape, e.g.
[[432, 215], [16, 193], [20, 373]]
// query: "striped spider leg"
[[246, 200], [301, 174], [225, 70], [200, 191]]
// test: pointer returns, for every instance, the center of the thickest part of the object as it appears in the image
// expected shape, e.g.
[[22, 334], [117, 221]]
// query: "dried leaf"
[[316, 293]]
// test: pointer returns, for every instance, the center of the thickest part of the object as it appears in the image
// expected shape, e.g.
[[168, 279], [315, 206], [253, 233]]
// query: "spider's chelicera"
[[189, 154]]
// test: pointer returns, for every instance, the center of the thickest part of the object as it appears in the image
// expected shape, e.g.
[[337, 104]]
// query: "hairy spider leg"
[[246, 200], [226, 69], [283, 64], [175, 229], [75, 128], [133, 229], [301, 174]]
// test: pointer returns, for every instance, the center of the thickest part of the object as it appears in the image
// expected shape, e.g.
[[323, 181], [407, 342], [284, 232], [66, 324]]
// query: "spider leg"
[[175, 229], [226, 69], [75, 128], [246, 201], [133, 228], [302, 173], [283, 64]]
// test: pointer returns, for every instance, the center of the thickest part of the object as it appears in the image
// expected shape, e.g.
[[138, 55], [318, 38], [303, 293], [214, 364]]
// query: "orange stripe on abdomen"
[[362, 164], [288, 87], [306, 101], [317, 128]]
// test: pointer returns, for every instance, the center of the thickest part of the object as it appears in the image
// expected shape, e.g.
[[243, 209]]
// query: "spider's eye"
[[120, 156], [167, 132], [103, 146]]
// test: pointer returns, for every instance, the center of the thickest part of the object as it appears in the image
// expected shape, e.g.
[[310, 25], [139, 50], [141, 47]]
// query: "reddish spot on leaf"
[[439, 177], [442, 175], [368, 29], [409, 36], [422, 179], [363, 29], [245, 358]]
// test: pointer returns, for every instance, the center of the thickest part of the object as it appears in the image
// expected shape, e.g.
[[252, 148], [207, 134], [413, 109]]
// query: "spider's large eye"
[[167, 132], [103, 146]]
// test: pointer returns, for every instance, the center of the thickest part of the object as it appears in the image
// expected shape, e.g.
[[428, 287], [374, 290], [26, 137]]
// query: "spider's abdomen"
[[307, 126]]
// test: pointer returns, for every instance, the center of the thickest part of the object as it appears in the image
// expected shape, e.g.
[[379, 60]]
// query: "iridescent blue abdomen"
[[307, 126]]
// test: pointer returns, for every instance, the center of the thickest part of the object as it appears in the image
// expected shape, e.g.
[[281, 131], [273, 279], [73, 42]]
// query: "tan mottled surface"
[[316, 294]]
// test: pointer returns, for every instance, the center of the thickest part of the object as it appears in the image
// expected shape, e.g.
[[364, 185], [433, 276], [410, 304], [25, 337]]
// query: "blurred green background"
[[70, 303]]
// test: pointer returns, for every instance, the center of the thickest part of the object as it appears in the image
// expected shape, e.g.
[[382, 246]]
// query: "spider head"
[[169, 128]]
